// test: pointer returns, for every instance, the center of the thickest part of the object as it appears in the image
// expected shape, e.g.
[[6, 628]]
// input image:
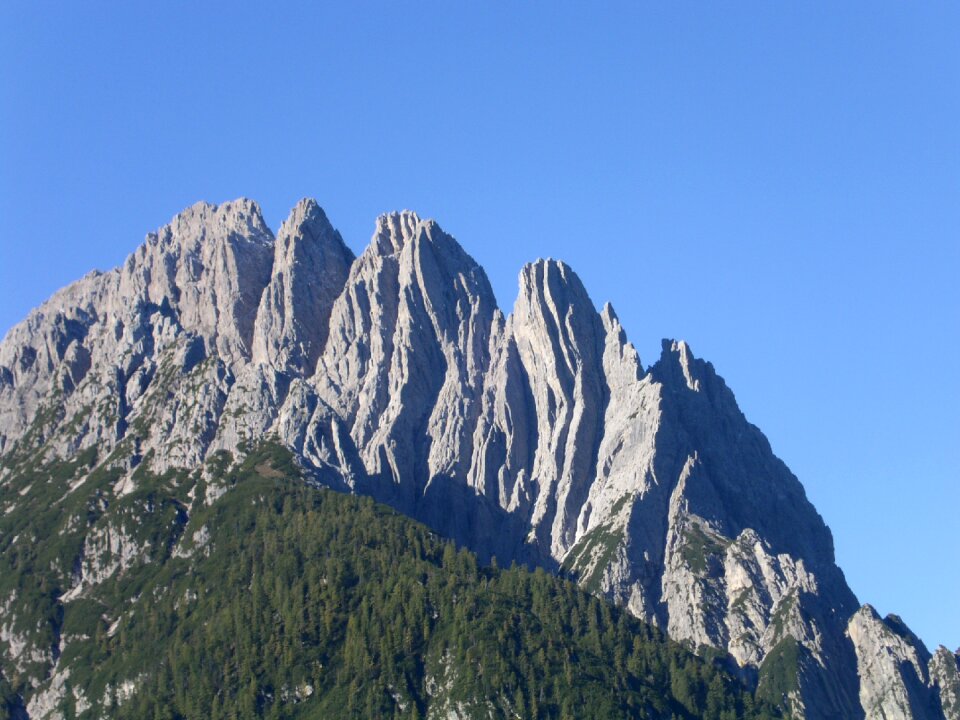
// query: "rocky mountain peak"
[[310, 266], [555, 281], [554, 313], [609, 315], [241, 217], [676, 356], [559, 340], [392, 231], [409, 342], [306, 216], [536, 437], [898, 676], [210, 264], [620, 359]]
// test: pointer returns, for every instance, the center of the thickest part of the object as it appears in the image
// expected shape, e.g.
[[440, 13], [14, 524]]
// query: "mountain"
[[537, 437]]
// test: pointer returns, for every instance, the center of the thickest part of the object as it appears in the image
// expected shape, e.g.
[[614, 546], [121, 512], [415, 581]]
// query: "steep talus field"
[[537, 437]]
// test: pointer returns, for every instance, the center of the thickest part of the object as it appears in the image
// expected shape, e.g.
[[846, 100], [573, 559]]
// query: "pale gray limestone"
[[537, 436]]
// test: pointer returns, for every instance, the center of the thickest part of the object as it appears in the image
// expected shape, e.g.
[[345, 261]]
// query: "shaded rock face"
[[945, 676], [537, 437]]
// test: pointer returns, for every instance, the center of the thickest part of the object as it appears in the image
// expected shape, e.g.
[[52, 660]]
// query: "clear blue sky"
[[776, 183]]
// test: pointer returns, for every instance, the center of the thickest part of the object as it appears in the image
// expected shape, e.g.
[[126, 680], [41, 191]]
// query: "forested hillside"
[[278, 599]]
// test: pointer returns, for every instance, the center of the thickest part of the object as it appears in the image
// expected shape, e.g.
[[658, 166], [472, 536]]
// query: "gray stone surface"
[[537, 436], [310, 266], [945, 676], [893, 666]]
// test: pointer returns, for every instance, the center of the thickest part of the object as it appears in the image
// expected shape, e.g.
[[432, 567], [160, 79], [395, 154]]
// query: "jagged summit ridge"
[[535, 436], [310, 265], [408, 346]]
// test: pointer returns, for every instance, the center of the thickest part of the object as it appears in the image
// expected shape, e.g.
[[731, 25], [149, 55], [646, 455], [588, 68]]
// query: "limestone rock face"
[[101, 349], [560, 342], [310, 266], [536, 436], [404, 363], [209, 267], [48, 353], [249, 408], [945, 675], [893, 666]]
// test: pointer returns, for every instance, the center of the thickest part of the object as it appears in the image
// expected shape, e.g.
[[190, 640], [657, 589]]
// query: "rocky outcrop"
[[893, 667], [45, 703], [560, 342], [536, 436], [208, 268], [945, 676], [404, 363], [48, 355], [109, 350], [310, 266]]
